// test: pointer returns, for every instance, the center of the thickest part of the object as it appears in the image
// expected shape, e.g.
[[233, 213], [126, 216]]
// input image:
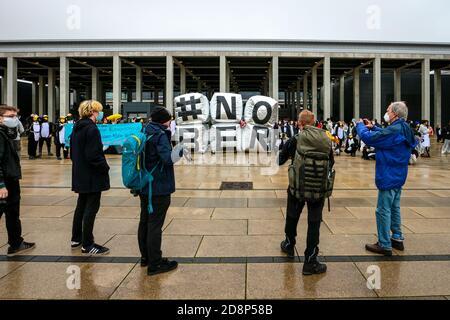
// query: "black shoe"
[[375, 248], [31, 158], [144, 262], [165, 266], [24, 246], [58, 158], [287, 248], [95, 249], [397, 244], [75, 244], [315, 267]]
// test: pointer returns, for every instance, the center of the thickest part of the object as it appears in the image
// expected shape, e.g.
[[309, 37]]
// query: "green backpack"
[[311, 175]]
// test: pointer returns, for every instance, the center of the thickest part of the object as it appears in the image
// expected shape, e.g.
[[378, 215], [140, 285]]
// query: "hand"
[[187, 153], [3, 193], [368, 123]]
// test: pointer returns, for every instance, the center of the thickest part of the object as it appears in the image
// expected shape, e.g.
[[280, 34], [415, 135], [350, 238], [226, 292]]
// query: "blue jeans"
[[388, 217]]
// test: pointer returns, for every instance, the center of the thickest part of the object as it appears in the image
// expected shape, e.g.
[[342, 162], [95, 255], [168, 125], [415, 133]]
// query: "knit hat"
[[160, 115]]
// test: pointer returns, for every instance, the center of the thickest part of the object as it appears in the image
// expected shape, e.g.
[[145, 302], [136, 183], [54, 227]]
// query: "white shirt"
[[45, 130], [36, 130]]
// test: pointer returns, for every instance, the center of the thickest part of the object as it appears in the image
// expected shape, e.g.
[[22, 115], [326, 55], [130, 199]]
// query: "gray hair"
[[400, 109]]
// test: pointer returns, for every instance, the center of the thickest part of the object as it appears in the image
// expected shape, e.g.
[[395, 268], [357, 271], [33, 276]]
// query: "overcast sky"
[[336, 20]]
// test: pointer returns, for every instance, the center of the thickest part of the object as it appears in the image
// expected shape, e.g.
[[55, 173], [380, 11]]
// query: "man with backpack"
[[311, 180], [159, 160]]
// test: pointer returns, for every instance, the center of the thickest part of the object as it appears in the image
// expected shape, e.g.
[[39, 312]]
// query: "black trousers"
[[12, 213], [293, 212], [84, 218], [32, 145], [48, 142], [150, 228], [58, 150]]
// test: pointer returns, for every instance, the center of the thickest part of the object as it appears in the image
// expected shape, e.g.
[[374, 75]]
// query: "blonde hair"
[[88, 107], [306, 118]]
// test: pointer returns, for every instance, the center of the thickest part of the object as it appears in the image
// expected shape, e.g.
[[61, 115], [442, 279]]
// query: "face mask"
[[100, 116], [386, 117], [11, 122]]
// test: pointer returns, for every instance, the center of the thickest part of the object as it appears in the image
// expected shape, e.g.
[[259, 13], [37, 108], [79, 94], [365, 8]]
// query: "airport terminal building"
[[50, 72]]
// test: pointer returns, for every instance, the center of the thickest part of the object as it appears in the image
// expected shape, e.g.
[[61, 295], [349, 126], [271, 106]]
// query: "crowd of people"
[[346, 139]]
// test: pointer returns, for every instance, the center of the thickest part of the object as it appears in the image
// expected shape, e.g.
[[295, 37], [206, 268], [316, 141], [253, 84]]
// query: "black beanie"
[[160, 115]]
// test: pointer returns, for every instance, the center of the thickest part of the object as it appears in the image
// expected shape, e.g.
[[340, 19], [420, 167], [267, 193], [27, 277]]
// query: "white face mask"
[[386, 117], [11, 122]]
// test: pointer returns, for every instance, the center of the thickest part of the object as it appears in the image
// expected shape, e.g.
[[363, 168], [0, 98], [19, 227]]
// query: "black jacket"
[[9, 159], [89, 167], [446, 133]]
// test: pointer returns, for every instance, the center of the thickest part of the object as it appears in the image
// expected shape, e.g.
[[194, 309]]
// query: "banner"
[[111, 134]]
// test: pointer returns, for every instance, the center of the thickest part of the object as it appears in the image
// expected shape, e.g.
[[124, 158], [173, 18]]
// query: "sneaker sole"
[[312, 273], [21, 251], [95, 254], [386, 254], [161, 271]]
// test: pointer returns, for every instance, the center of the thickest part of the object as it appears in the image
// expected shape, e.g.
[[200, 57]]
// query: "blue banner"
[[111, 134]]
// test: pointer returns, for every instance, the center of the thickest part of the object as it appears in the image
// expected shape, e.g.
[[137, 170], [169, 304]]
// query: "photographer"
[[10, 174]]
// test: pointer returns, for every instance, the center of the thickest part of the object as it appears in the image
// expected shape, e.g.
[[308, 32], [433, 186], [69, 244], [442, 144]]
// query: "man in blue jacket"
[[393, 145]]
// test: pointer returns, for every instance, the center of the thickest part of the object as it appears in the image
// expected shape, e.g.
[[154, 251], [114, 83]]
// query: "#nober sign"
[[217, 123]]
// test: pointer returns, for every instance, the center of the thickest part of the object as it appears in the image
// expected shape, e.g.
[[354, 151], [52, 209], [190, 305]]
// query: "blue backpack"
[[134, 174]]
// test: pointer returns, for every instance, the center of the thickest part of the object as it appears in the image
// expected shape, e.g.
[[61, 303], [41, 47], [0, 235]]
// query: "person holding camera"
[[393, 146], [10, 174]]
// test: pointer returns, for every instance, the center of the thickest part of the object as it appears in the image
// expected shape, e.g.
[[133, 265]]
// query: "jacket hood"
[[154, 127], [405, 131], [81, 124]]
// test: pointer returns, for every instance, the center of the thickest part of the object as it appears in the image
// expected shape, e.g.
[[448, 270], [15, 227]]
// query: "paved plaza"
[[227, 242]]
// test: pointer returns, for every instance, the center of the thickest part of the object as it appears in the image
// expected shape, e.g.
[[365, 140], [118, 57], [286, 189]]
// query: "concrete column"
[[228, 78], [156, 97], [182, 80], [169, 84], [270, 77], [33, 97], [100, 93], [377, 89], [298, 95], [41, 95], [314, 91], [11, 82], [342, 97], [56, 102], [51, 95], [397, 85], [426, 89], [223, 74], [356, 93], [139, 84], [275, 78], [437, 98], [326, 88], [4, 88], [64, 95], [305, 92], [117, 84], [95, 84]]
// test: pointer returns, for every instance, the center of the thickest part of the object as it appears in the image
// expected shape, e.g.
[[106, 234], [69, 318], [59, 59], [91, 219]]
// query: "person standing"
[[439, 133], [46, 136], [393, 145], [446, 138], [425, 133], [159, 160], [90, 176], [10, 174], [60, 138], [309, 140], [34, 134]]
